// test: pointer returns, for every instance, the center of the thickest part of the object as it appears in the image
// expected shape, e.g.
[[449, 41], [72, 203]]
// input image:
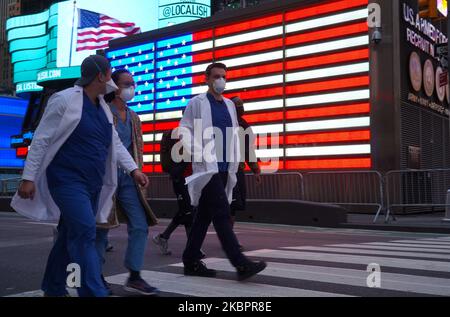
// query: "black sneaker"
[[140, 286], [198, 269], [248, 270]]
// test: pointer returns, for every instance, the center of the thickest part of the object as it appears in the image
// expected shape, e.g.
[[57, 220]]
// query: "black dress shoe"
[[198, 269], [248, 270]]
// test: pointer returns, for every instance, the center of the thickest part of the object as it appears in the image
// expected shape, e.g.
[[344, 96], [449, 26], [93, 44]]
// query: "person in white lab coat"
[[214, 174], [70, 176]]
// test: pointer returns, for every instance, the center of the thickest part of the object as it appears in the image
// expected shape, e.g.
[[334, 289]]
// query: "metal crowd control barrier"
[[9, 186], [416, 188], [362, 188], [277, 186], [160, 187]]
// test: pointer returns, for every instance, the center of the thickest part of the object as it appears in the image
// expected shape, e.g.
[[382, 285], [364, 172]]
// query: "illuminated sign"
[[175, 12], [27, 87], [12, 112], [302, 74], [69, 31], [442, 7], [58, 73]]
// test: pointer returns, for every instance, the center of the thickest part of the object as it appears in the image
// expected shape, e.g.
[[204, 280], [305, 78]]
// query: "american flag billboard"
[[303, 73]]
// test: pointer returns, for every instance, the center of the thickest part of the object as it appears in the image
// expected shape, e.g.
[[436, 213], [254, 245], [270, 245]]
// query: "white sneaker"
[[163, 244]]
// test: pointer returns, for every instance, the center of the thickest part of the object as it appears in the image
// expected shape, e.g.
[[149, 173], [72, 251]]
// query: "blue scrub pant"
[[75, 243], [128, 198]]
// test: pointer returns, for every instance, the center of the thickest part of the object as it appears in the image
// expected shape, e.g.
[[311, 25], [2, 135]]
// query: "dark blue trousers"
[[213, 207]]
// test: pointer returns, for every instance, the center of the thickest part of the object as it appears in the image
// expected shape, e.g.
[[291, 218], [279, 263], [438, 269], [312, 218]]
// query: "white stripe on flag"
[[328, 20], [328, 98], [328, 150], [328, 46], [328, 72], [328, 124], [250, 36]]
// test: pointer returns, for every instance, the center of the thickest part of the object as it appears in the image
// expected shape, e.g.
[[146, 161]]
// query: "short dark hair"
[[214, 65], [115, 77]]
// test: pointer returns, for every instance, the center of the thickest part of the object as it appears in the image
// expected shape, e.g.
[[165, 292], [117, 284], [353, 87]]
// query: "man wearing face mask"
[[70, 175], [130, 201], [211, 184]]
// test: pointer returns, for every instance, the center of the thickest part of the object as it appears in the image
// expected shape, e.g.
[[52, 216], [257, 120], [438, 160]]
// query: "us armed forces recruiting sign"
[[423, 79]]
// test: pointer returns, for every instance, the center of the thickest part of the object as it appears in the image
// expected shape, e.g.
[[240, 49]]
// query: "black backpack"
[[167, 144]]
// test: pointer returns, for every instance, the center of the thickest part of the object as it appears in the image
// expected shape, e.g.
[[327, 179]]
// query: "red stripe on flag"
[[94, 33], [147, 169], [255, 70], [264, 117], [328, 137], [148, 127], [328, 33], [202, 35], [95, 40], [317, 10], [328, 59], [249, 25], [251, 48], [207, 56], [328, 111], [328, 85], [21, 151], [150, 148], [349, 163], [166, 126], [158, 168], [268, 141], [199, 79], [84, 48], [258, 94]]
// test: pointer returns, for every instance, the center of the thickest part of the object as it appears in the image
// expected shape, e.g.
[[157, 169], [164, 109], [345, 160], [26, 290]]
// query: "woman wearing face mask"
[[71, 172], [130, 202]]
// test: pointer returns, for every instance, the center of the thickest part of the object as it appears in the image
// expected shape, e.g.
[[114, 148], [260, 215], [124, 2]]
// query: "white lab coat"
[[61, 117], [200, 108]]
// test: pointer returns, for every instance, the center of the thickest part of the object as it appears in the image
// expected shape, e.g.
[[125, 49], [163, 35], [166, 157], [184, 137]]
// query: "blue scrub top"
[[220, 119], [124, 129], [82, 158]]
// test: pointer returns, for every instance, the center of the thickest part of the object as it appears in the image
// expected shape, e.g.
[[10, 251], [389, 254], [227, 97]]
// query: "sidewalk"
[[430, 223]]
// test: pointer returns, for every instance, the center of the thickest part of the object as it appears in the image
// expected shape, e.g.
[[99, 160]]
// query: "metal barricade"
[[160, 187], [416, 188], [352, 188], [277, 186], [9, 186]]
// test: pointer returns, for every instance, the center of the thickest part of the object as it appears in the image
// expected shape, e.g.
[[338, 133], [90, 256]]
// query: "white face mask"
[[219, 85], [111, 86], [127, 94]]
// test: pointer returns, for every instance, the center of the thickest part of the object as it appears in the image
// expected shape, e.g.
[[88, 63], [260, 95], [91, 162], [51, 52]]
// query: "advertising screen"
[[302, 73]]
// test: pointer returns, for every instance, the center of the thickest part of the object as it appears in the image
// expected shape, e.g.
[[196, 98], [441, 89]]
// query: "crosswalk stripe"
[[374, 252], [391, 248], [389, 281], [442, 247], [214, 287], [438, 240], [437, 243], [353, 259]]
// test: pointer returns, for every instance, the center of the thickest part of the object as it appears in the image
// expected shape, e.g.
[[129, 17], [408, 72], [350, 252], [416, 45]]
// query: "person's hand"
[[27, 190], [258, 179], [140, 178]]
